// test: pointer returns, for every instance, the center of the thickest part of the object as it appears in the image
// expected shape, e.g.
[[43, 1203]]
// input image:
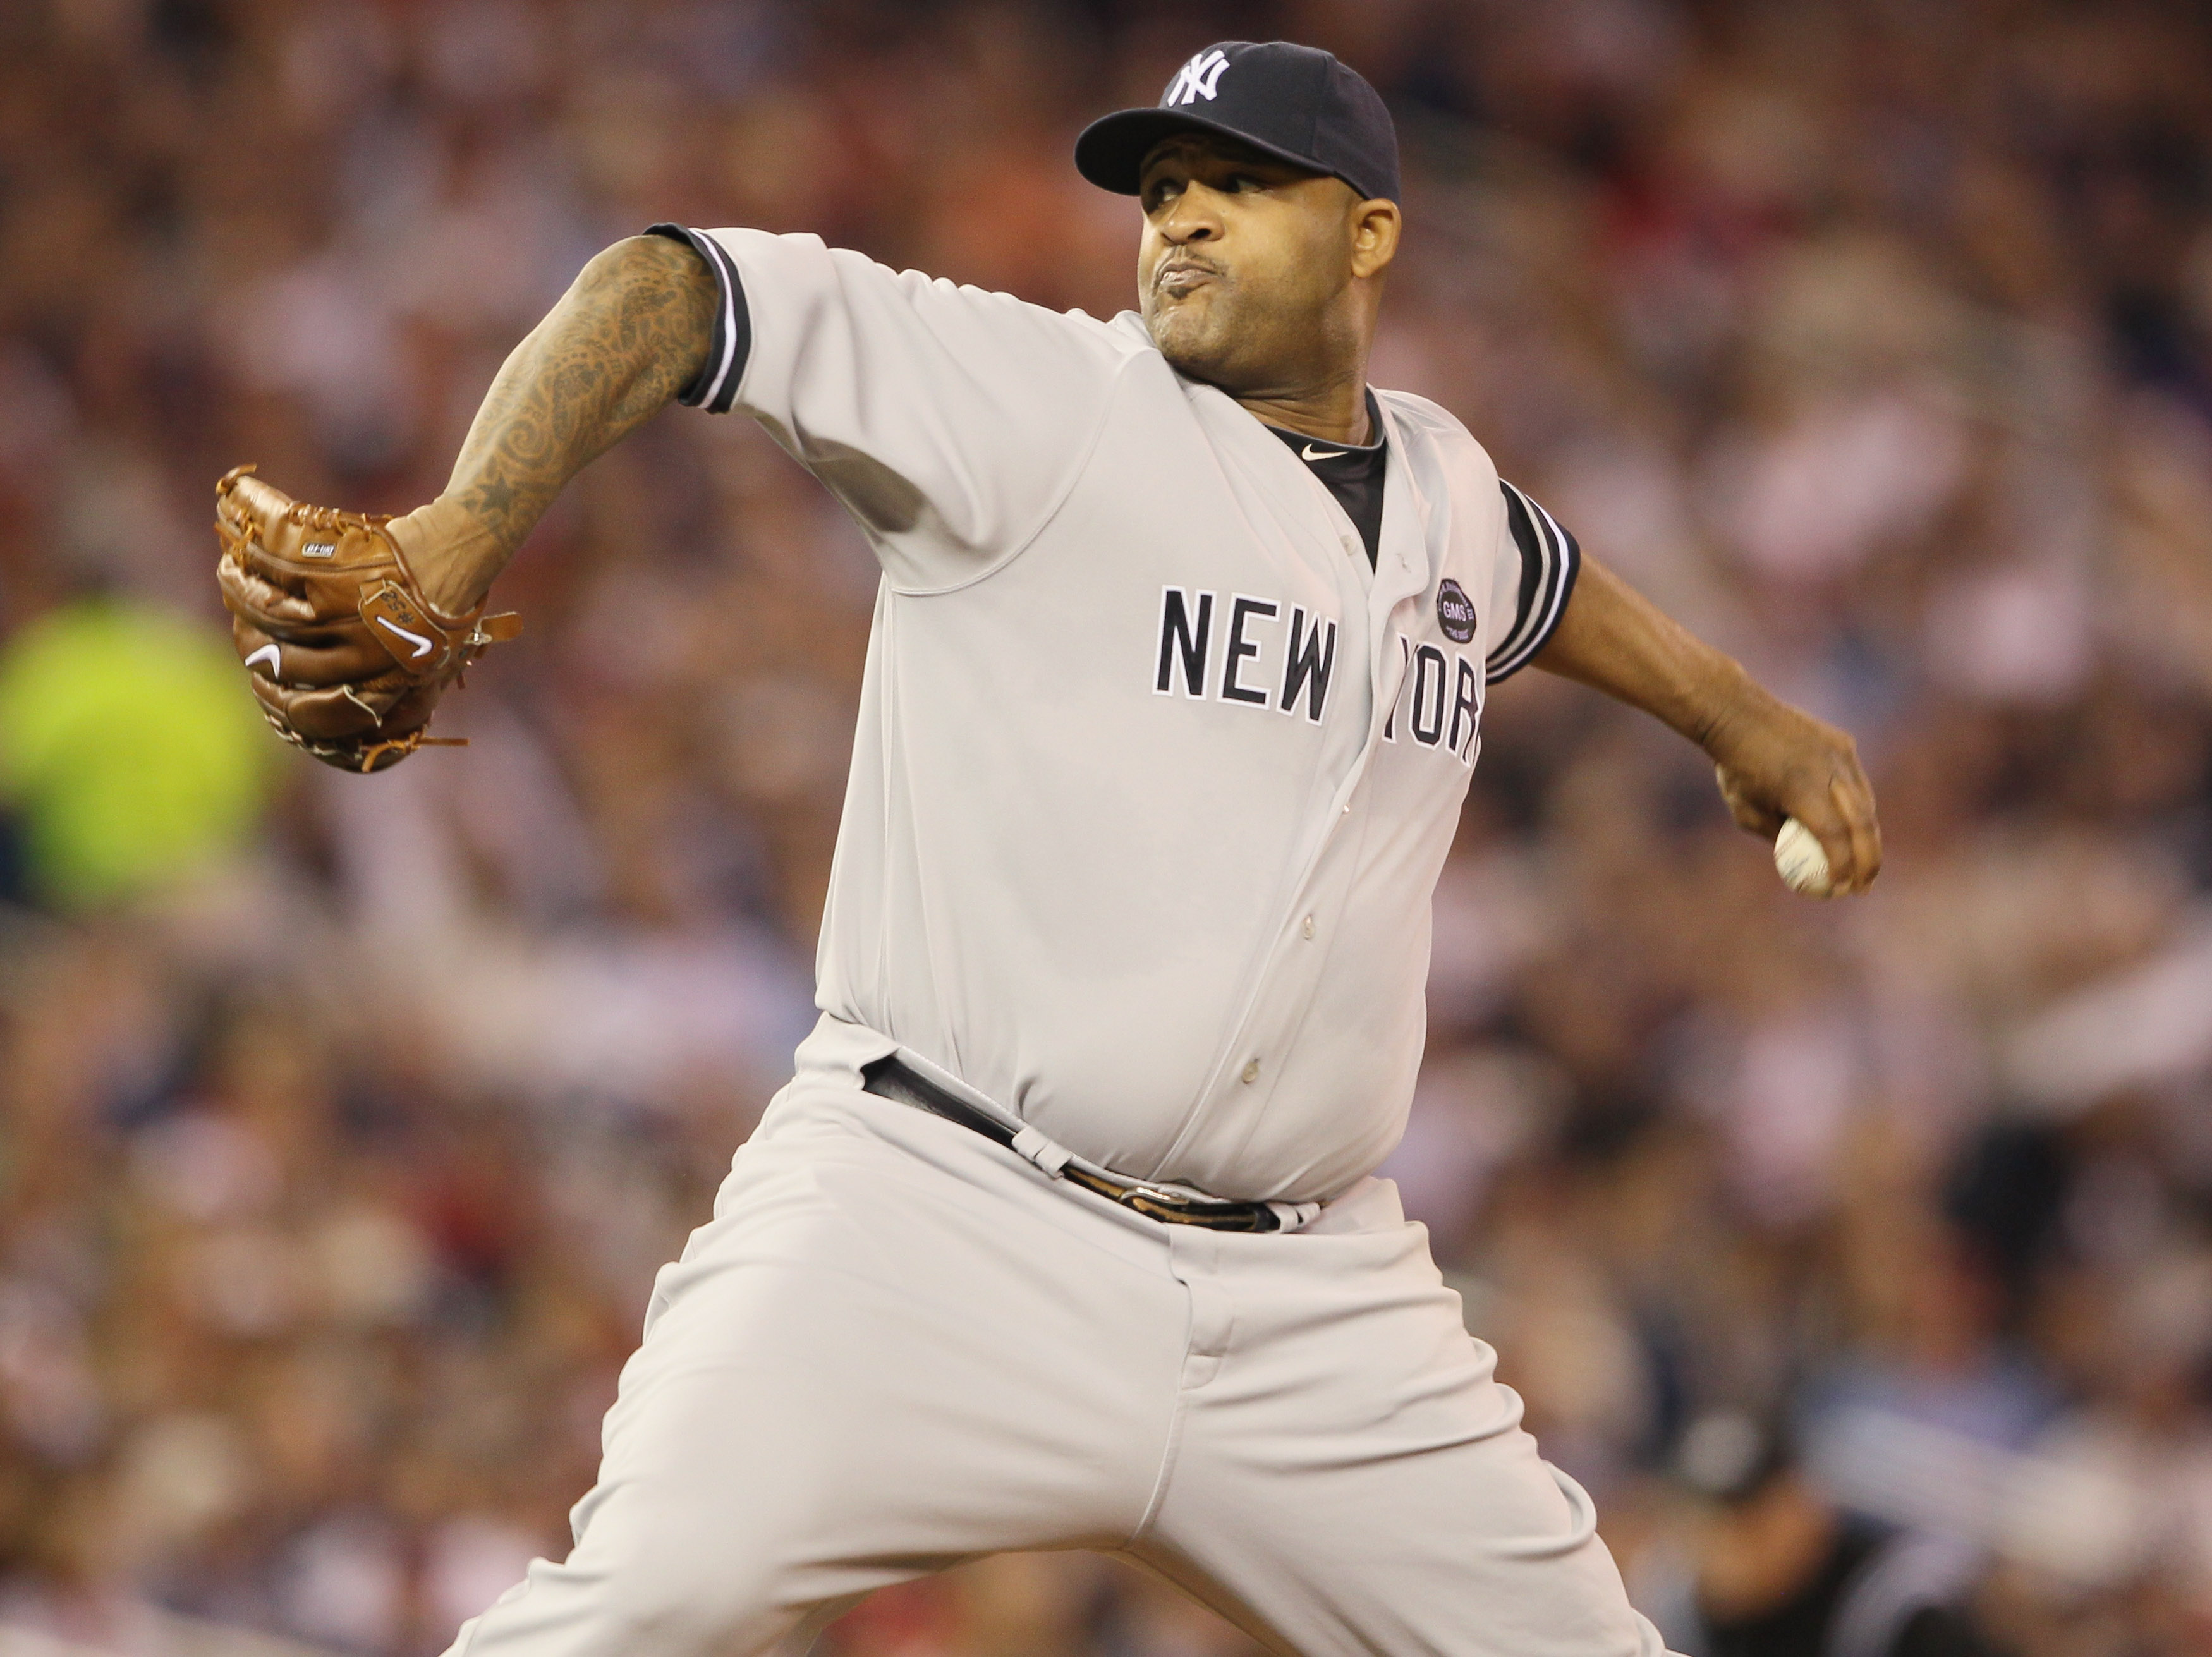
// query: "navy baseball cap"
[[1296, 103]]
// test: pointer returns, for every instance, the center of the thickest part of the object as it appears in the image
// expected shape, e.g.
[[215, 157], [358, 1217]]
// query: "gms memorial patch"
[[1455, 611]]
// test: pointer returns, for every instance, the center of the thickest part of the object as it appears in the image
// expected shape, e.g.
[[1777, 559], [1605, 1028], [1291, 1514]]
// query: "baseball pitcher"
[[1064, 1233]]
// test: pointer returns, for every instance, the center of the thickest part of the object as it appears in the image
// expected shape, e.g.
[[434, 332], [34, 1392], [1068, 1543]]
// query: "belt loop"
[[1047, 1154]]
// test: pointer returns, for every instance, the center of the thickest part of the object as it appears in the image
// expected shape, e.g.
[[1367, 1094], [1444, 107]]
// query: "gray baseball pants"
[[896, 1346]]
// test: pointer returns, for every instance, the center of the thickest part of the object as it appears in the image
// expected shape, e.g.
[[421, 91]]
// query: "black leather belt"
[[890, 1077]]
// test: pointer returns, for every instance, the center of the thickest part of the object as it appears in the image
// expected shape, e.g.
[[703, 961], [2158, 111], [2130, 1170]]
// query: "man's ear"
[[1375, 227]]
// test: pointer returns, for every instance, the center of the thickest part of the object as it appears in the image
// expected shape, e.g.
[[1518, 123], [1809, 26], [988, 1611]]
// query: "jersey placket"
[[1285, 986]]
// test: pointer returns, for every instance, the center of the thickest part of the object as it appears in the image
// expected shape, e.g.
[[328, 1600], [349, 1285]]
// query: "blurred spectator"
[[1772, 1566]]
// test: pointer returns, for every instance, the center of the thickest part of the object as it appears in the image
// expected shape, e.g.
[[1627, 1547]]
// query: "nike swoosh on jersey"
[[1309, 453]]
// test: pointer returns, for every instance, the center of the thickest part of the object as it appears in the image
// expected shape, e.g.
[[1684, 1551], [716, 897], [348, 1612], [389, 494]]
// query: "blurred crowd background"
[[1859, 1257]]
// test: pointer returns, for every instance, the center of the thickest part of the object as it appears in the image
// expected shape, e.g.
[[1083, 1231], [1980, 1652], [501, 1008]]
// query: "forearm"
[[1614, 640], [633, 328], [1773, 761]]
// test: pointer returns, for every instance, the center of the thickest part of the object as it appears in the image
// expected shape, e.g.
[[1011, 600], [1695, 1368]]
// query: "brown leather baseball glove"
[[343, 652]]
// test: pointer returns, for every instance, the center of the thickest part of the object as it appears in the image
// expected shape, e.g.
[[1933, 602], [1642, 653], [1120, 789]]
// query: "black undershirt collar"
[[1352, 473]]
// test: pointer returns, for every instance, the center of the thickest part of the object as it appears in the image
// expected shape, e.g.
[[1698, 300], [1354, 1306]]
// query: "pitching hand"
[[1775, 762]]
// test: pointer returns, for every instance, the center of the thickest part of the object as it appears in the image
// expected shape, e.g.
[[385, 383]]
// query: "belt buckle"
[[1165, 1199], [1214, 1213]]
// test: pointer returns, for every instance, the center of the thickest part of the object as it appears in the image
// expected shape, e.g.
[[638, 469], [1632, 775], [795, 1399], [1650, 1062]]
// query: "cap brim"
[[1111, 150]]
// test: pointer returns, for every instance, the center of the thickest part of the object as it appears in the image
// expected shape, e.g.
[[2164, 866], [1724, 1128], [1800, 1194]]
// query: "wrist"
[[1729, 703], [450, 552]]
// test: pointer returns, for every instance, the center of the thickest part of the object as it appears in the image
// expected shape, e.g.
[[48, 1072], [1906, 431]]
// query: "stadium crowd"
[[1859, 1257]]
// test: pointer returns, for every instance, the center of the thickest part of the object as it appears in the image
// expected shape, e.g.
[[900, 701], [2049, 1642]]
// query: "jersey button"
[[1251, 1070], [1307, 926]]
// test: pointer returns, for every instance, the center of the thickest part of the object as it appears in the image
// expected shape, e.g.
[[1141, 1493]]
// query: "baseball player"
[[1063, 1234]]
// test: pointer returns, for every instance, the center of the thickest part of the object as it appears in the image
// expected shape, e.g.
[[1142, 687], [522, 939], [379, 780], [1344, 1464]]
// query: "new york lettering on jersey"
[[1440, 694], [1439, 703], [1144, 708], [1251, 643]]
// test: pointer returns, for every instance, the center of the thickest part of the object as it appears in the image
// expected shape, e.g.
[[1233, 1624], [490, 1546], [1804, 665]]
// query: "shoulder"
[[1431, 425], [1418, 413], [799, 266], [1434, 436]]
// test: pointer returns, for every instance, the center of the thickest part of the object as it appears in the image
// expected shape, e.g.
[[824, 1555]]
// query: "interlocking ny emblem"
[[1197, 78]]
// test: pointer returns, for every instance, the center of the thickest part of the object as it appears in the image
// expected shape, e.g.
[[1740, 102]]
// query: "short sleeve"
[[1537, 563], [715, 388], [949, 421]]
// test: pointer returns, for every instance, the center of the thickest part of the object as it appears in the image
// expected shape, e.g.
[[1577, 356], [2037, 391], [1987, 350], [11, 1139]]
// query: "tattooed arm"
[[632, 331]]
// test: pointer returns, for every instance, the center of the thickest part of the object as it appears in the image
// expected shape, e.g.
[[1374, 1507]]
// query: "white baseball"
[[1799, 859]]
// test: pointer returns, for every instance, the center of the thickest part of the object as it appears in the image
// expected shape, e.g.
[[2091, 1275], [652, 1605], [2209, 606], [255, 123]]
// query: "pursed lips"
[[1176, 278]]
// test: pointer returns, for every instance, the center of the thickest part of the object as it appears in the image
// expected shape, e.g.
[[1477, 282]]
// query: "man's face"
[[1246, 264]]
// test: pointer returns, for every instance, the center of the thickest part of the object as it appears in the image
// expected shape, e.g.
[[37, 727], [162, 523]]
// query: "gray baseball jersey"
[[1154, 774]]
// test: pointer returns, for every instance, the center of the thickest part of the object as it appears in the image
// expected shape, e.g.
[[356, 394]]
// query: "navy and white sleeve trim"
[[715, 387], [1550, 561]]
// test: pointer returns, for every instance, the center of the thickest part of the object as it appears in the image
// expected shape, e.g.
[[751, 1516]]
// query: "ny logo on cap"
[[1196, 79]]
